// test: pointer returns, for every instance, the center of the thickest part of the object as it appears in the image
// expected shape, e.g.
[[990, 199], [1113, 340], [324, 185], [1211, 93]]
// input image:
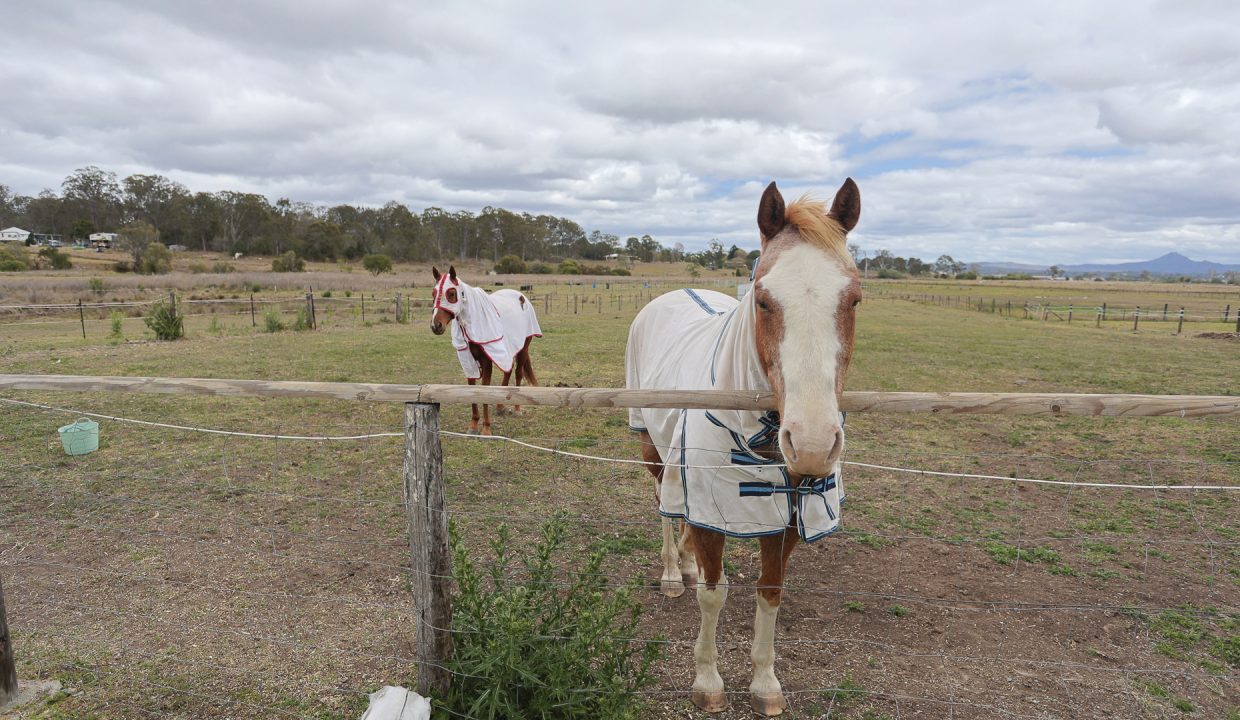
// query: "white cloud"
[[1051, 133]]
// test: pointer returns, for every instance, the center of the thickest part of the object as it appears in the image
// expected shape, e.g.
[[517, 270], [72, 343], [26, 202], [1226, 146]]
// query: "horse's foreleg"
[[473, 423], [688, 561], [712, 593], [765, 691]]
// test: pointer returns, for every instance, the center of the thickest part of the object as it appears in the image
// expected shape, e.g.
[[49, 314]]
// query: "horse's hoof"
[[711, 702], [501, 410], [673, 588], [769, 705], [486, 432], [471, 431]]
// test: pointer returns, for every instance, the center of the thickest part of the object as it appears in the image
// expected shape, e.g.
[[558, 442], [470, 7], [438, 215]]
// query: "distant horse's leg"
[[500, 409], [712, 592], [525, 369], [671, 580], [473, 423], [765, 692], [518, 367], [487, 367]]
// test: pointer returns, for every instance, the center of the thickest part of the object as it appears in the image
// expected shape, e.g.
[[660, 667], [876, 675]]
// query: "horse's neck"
[[469, 301], [736, 364]]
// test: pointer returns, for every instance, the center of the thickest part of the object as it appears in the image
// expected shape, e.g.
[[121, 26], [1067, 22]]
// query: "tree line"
[[95, 200]]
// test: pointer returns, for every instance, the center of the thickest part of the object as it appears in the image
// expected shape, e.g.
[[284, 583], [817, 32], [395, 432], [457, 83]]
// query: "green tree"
[[96, 195], [288, 262], [134, 239], [156, 260], [158, 201], [81, 229], [377, 263], [510, 264]]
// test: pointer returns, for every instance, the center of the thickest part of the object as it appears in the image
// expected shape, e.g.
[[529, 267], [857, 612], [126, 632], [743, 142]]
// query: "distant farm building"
[[14, 234], [102, 239]]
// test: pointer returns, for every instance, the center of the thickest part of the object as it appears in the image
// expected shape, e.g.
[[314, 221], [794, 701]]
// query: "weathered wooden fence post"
[[253, 319], [1069, 313], [8, 668], [82, 317], [428, 542], [310, 309], [1104, 311], [1180, 329], [172, 301], [1226, 313], [1136, 318], [363, 307]]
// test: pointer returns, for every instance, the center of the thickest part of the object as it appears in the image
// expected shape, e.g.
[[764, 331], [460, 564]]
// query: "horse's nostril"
[[785, 444]]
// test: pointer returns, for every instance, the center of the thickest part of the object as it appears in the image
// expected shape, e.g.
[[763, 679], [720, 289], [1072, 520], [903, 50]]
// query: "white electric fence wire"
[[624, 461]]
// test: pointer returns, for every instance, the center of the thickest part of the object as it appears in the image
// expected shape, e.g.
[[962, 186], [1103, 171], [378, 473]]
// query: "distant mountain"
[[1172, 263]]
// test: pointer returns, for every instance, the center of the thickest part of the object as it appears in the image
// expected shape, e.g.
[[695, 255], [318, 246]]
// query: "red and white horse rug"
[[716, 475], [498, 322]]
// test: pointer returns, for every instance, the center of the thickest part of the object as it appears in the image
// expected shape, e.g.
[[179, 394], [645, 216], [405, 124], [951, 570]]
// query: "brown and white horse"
[[488, 330], [792, 335]]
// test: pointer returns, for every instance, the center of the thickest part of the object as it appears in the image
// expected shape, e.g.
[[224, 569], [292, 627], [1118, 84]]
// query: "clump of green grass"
[[854, 606], [897, 611], [271, 320], [1006, 554]]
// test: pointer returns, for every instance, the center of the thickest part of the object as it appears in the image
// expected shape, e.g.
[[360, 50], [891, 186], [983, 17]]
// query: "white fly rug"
[[500, 323], [714, 476]]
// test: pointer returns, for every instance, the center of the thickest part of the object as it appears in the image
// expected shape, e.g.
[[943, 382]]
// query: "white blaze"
[[809, 284]]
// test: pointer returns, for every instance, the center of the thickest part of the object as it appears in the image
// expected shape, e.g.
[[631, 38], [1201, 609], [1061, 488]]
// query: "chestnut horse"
[[722, 472], [488, 330]]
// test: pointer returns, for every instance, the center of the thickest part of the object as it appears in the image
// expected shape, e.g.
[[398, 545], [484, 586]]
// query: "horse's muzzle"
[[437, 327]]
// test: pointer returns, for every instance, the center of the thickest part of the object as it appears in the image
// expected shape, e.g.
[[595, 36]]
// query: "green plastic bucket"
[[80, 437]]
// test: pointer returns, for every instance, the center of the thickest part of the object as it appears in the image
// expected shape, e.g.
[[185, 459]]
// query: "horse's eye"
[[762, 305]]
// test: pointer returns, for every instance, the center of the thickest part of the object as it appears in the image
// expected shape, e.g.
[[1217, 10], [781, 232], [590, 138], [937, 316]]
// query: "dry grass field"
[[181, 574]]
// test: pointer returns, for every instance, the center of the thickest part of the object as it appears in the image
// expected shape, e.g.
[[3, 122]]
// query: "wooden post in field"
[[1226, 313], [310, 309], [253, 319], [1180, 329], [363, 308], [1165, 311], [1238, 321], [400, 318], [8, 668], [1069, 313], [574, 303], [1104, 311], [428, 543], [82, 317], [1136, 318], [547, 304], [172, 301]]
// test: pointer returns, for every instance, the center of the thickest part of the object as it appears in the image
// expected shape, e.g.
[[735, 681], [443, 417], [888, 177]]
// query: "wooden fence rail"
[[945, 403]]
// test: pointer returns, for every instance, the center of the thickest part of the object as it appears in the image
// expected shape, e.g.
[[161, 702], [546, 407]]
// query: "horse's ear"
[[846, 209], [452, 272], [771, 217], [435, 271]]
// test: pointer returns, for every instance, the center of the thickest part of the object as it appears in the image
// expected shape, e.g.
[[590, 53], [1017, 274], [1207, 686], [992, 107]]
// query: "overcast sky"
[[1047, 133]]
